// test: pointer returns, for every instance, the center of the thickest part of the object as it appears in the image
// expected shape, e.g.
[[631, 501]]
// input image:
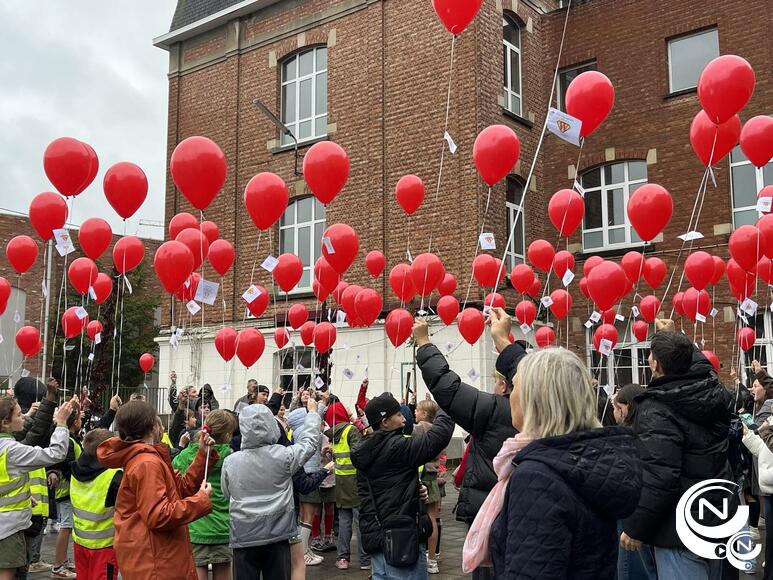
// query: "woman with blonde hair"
[[563, 480], [425, 416]]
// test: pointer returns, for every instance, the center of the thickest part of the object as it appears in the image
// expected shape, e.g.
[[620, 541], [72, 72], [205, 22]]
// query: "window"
[[607, 189], [300, 233], [294, 369], [566, 76], [304, 95], [514, 200], [687, 57], [628, 363], [762, 323], [511, 45], [14, 317], [746, 181]]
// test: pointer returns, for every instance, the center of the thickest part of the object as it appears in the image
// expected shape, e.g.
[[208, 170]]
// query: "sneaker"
[[432, 567], [69, 565], [437, 557], [39, 567], [342, 564], [316, 544], [312, 559], [329, 544], [755, 533], [365, 567], [62, 572]]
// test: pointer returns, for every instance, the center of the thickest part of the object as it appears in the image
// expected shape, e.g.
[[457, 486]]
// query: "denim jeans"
[[639, 565], [346, 518], [681, 564], [383, 571]]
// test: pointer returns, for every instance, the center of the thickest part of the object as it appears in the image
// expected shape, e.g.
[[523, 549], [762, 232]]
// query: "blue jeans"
[[383, 571], [681, 564], [639, 565], [346, 519]]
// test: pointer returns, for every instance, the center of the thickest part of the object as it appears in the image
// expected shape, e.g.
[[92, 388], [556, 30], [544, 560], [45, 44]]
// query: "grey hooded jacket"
[[258, 479], [296, 420]]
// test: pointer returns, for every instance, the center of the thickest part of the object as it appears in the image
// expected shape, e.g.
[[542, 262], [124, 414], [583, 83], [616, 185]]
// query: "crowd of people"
[[548, 487]]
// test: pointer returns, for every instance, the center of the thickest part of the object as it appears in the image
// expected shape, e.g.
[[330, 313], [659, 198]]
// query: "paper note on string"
[[690, 236], [567, 278], [193, 307], [634, 311], [207, 292], [251, 294], [525, 328], [487, 241], [269, 264], [764, 203], [128, 284], [451, 144], [473, 375], [564, 126], [605, 346], [328, 245]]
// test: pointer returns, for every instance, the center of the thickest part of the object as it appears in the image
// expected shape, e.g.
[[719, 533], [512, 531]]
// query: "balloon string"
[[62, 296], [252, 273], [41, 318], [477, 247], [120, 340], [115, 332]]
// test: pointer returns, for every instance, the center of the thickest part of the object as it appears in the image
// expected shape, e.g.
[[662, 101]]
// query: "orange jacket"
[[152, 510]]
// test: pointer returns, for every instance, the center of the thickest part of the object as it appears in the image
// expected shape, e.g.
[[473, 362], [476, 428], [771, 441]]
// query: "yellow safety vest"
[[290, 434], [92, 522], [63, 489], [39, 491], [342, 454], [14, 491]]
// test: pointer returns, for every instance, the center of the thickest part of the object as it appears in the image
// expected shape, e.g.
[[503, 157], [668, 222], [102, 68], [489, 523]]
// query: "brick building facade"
[[385, 68]]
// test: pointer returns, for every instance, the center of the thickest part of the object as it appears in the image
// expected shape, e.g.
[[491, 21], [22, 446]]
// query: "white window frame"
[[744, 360], [602, 189], [759, 182], [638, 371], [561, 88], [294, 125], [296, 352], [315, 247], [510, 52], [513, 258], [670, 42]]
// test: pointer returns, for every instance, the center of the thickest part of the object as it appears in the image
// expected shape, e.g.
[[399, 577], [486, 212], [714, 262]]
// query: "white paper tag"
[[348, 374], [328, 245], [609, 390], [16, 317], [98, 338], [345, 346], [564, 126], [764, 203], [44, 289], [689, 236], [546, 301], [207, 292], [226, 387], [449, 347], [700, 318], [357, 358], [742, 316], [714, 312], [91, 356], [486, 310], [173, 341], [619, 317], [92, 294], [269, 264], [451, 145], [408, 256], [251, 294], [193, 307], [487, 241], [578, 188], [473, 375], [605, 346], [319, 383], [595, 317], [567, 278], [525, 328], [301, 369], [365, 373], [340, 317], [81, 313], [634, 311], [128, 284], [588, 323], [64, 243], [179, 332], [749, 306], [25, 373], [713, 178], [1, 339]]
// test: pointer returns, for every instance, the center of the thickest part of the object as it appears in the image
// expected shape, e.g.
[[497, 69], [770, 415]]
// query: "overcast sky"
[[84, 69]]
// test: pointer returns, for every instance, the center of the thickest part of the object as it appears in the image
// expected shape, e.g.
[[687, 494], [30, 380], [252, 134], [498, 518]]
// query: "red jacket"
[[152, 510]]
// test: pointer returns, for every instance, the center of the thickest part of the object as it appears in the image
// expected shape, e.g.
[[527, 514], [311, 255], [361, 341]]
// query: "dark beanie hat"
[[508, 359], [381, 407], [263, 389]]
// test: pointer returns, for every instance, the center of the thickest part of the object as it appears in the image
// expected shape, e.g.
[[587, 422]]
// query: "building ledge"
[[517, 118], [682, 93]]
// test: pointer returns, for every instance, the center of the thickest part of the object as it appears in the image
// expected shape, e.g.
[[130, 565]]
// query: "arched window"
[[511, 47], [304, 94], [513, 203], [607, 189], [300, 232]]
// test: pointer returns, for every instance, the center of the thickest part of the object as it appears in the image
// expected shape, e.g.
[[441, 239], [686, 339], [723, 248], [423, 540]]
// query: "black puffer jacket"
[[390, 462], [485, 416], [681, 426], [559, 518]]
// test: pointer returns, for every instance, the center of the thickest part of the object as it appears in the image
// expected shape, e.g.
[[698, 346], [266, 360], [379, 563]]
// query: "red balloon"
[[765, 270], [427, 273], [288, 271], [258, 306], [93, 328], [182, 221], [699, 269], [307, 332], [82, 273], [607, 283], [225, 343], [281, 337], [211, 231], [128, 252], [456, 15], [649, 308], [197, 243], [654, 272], [719, 269], [545, 336], [741, 282], [712, 358], [326, 170], [471, 324], [368, 305], [339, 292], [326, 275], [21, 251], [563, 261], [198, 168], [677, 301], [448, 309], [486, 268], [297, 315], [649, 210], [494, 300], [5, 294], [591, 263], [608, 316], [324, 336], [495, 152], [757, 140], [93, 166], [536, 288], [584, 287], [526, 312], [696, 302], [68, 164], [375, 263], [448, 285], [640, 330], [48, 211], [705, 136], [747, 246], [250, 345], [398, 326], [562, 303], [187, 291], [94, 237], [173, 264], [103, 287], [347, 300], [522, 278], [589, 98], [266, 198], [725, 86], [28, 340], [319, 291], [745, 338], [72, 325], [633, 266], [409, 193], [146, 362], [126, 188], [605, 332], [566, 210], [344, 241], [765, 225], [540, 253], [221, 256]]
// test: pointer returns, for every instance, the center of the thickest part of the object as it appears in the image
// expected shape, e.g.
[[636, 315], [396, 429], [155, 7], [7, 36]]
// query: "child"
[[93, 490], [154, 504], [425, 416], [16, 460], [209, 535]]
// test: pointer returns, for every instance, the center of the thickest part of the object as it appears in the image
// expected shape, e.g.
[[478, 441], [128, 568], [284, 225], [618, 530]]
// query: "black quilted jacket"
[[559, 518]]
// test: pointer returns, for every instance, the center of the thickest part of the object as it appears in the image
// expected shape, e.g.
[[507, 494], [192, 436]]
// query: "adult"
[[206, 397], [249, 398]]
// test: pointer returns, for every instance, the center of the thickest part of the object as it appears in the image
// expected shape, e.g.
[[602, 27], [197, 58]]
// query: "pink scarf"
[[476, 545]]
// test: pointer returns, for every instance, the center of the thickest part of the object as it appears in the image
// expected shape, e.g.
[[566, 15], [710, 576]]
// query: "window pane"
[[736, 155], [515, 104], [767, 175], [288, 103], [615, 207], [593, 217], [510, 32], [318, 229], [304, 245], [320, 126], [288, 69], [567, 76], [321, 54], [518, 238], [287, 241], [617, 236], [304, 111], [306, 63], [515, 74], [744, 185], [505, 55], [305, 281], [635, 239], [746, 217], [320, 100], [632, 188], [637, 170], [514, 191], [287, 359], [591, 179], [319, 210], [688, 56], [614, 173], [304, 209], [304, 382], [288, 217], [304, 130], [593, 240], [304, 358]]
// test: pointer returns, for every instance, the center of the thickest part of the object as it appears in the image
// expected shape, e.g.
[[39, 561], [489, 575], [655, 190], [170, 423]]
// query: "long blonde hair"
[[556, 394]]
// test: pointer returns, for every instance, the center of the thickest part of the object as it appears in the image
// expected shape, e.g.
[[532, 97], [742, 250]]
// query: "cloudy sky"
[[85, 69]]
